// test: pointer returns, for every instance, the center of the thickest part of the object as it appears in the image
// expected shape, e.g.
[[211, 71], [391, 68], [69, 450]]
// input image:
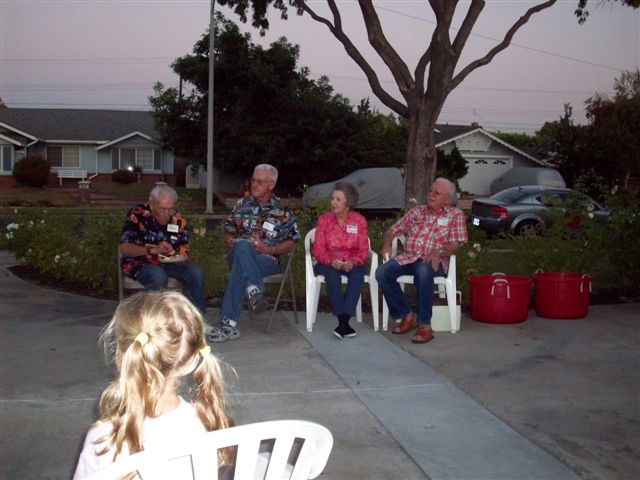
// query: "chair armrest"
[[374, 263]]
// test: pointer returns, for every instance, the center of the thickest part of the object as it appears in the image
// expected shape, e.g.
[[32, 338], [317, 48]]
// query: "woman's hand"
[[348, 265]]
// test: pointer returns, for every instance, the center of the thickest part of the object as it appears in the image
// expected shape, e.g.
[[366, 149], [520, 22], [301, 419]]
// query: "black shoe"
[[348, 331], [339, 331]]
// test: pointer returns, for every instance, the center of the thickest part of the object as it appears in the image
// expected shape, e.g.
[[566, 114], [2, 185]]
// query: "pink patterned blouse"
[[349, 241]]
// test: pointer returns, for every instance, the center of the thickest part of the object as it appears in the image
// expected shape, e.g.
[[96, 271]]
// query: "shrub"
[[123, 176], [32, 171]]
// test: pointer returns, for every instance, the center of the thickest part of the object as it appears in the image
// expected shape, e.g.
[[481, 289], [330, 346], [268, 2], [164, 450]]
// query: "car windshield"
[[510, 195]]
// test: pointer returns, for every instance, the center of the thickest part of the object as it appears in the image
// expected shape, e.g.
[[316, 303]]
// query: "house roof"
[[448, 133], [445, 133], [78, 124]]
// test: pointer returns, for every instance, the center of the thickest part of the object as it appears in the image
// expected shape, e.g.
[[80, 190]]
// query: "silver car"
[[525, 210]]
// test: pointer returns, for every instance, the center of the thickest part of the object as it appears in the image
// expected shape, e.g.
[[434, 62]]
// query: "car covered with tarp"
[[378, 189]]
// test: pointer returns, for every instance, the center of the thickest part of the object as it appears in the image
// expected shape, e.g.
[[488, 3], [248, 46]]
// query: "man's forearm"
[[283, 247], [133, 250], [449, 249], [387, 239]]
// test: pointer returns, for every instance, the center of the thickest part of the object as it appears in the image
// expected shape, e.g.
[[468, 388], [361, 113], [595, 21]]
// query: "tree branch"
[[353, 52], [381, 45], [467, 25], [501, 46]]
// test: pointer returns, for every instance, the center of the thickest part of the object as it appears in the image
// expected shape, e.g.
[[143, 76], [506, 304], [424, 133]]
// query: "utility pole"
[[210, 111]]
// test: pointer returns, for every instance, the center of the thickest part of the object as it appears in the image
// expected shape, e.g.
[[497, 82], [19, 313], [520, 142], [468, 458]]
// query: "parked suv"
[[525, 210]]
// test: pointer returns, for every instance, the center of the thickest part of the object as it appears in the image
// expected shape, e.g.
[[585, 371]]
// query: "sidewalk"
[[396, 411]]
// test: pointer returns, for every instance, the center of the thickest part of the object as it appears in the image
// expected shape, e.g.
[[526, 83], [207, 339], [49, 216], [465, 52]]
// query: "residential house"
[[102, 141], [97, 142], [487, 156]]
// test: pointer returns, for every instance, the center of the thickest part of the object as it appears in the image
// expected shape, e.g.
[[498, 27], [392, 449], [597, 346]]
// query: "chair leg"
[[293, 298], [359, 310], [375, 306], [453, 313], [275, 305], [385, 314], [310, 314], [314, 301]]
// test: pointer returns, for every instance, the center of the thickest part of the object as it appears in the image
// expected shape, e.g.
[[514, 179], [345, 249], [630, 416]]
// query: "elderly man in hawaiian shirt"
[[155, 246], [433, 232], [259, 229]]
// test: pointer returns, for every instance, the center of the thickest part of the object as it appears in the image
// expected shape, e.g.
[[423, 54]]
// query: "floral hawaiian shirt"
[[273, 221], [141, 228]]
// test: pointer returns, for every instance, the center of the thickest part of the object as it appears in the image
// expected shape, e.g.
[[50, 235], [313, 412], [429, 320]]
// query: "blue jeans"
[[246, 267], [156, 277], [342, 303], [423, 274]]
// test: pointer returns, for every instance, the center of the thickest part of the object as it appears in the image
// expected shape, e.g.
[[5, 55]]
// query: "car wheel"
[[529, 229]]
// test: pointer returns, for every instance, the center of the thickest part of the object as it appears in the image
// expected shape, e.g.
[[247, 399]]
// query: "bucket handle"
[[539, 270], [501, 280], [582, 279], [495, 274]]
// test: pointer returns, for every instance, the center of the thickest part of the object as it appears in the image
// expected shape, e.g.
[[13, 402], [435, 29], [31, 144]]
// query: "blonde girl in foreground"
[[155, 339]]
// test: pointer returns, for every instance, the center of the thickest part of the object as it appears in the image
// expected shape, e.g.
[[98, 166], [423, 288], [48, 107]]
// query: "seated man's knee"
[[243, 247], [195, 272], [380, 272], [424, 271], [153, 278]]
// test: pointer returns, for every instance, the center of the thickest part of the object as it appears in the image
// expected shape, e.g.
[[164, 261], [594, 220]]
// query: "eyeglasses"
[[170, 210], [259, 181]]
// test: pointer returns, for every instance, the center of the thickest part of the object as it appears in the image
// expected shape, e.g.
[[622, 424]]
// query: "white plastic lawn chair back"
[[314, 283], [446, 289], [197, 459]]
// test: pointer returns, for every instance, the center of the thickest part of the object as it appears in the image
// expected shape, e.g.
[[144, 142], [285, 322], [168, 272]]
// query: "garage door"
[[482, 171]]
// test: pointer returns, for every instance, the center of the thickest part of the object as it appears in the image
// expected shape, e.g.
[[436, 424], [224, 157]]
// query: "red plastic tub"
[[499, 298], [561, 294]]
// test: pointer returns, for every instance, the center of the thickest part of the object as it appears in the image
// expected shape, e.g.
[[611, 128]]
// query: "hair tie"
[[142, 338], [204, 350]]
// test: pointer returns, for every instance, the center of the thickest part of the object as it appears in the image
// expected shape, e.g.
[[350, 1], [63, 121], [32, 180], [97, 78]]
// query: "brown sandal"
[[407, 323], [424, 334]]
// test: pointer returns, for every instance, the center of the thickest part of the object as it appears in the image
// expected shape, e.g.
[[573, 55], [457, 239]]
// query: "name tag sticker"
[[172, 227], [352, 229], [268, 226], [443, 222]]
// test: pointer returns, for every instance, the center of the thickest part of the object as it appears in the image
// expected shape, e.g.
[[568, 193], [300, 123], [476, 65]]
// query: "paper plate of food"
[[172, 258]]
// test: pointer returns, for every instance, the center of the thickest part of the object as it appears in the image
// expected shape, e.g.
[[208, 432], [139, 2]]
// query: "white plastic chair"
[[197, 459], [446, 288], [314, 285]]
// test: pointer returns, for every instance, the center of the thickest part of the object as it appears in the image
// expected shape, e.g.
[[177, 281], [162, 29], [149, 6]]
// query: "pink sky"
[[99, 54]]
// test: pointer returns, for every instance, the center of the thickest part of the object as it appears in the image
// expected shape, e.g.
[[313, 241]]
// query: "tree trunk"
[[421, 153]]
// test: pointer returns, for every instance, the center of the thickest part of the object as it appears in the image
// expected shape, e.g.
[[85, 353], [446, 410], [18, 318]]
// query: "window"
[[64, 156], [130, 157], [6, 165]]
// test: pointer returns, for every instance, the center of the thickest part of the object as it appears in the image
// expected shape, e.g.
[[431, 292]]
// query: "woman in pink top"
[[341, 247]]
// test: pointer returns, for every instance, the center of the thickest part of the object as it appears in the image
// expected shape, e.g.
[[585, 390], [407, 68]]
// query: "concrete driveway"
[[545, 399]]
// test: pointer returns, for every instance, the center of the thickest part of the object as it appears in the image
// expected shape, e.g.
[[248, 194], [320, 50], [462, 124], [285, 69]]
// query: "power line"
[[83, 61]]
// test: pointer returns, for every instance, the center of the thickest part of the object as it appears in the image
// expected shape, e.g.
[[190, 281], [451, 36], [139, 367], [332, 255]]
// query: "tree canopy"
[[609, 146], [267, 109], [435, 75]]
